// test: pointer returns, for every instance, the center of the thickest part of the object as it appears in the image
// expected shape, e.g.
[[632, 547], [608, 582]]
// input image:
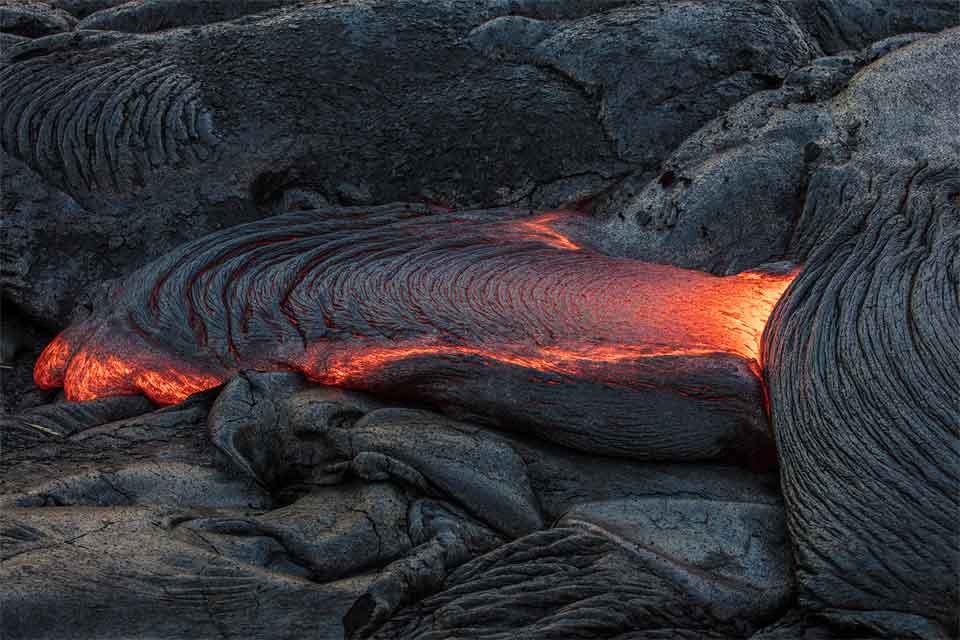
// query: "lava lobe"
[[498, 315]]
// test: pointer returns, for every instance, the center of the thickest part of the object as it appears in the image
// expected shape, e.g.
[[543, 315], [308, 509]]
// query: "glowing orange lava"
[[729, 316], [94, 376], [540, 228], [52, 364], [550, 306]]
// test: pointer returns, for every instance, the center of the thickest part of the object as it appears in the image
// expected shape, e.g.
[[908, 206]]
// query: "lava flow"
[[341, 297]]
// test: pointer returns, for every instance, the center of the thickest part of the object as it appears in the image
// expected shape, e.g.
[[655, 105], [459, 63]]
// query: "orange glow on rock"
[[727, 315], [540, 228], [352, 369], [51, 367], [518, 292], [171, 386], [92, 375]]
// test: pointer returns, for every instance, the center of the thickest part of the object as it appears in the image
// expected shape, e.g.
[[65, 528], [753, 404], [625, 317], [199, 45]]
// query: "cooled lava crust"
[[503, 315]]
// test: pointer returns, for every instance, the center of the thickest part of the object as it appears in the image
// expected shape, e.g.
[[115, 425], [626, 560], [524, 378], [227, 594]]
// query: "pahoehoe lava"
[[502, 315]]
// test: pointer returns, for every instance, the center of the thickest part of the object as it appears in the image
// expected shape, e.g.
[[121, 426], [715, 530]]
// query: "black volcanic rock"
[[881, 236], [146, 506], [714, 135], [522, 103], [748, 187]]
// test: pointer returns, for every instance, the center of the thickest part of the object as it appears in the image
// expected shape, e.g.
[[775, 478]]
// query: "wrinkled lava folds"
[[342, 296]]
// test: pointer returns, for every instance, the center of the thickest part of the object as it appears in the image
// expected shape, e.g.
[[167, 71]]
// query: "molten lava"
[[715, 315], [342, 298]]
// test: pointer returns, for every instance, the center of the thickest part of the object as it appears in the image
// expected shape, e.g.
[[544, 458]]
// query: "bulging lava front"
[[348, 296]]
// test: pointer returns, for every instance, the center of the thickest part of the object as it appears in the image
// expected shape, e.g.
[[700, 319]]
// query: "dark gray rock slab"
[[566, 582], [34, 456], [31, 19], [148, 16], [745, 188], [63, 419], [82, 8], [562, 479], [472, 466], [89, 572], [843, 25], [732, 554], [121, 505]]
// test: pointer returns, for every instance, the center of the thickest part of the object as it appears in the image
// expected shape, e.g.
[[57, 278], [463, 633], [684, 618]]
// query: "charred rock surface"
[[65, 555], [28, 19], [37, 450], [613, 568], [705, 209]]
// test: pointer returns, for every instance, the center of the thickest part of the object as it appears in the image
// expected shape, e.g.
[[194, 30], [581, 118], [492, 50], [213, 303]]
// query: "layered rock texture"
[[146, 132], [492, 313], [531, 399], [880, 296]]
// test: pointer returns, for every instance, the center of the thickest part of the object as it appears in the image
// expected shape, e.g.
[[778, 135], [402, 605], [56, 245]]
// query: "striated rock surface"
[[707, 135], [862, 354], [150, 139], [363, 520], [498, 315]]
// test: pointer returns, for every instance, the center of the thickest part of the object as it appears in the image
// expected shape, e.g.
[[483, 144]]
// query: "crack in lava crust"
[[349, 296]]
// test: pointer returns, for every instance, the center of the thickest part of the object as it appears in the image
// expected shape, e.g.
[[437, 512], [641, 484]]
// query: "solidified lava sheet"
[[353, 299]]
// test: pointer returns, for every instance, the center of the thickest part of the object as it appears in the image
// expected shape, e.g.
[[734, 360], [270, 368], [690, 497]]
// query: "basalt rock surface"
[[491, 486], [363, 520], [883, 293], [138, 115], [705, 210]]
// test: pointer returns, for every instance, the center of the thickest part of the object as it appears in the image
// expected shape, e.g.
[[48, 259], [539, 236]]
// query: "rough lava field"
[[480, 319]]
